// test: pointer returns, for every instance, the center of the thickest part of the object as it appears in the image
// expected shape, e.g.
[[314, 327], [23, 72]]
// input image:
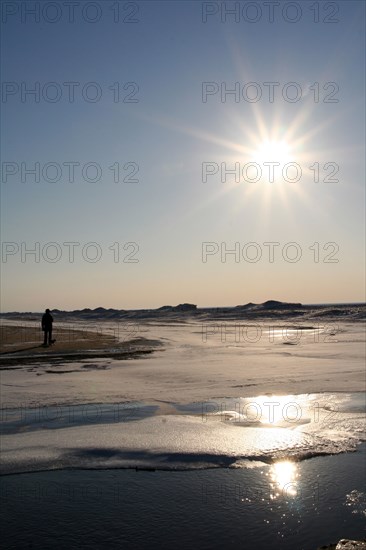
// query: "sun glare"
[[272, 151], [265, 165], [284, 479]]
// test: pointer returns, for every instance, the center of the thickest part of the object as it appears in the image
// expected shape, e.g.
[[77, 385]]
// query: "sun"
[[272, 151]]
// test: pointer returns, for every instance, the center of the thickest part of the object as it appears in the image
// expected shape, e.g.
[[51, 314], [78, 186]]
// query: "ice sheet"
[[217, 433]]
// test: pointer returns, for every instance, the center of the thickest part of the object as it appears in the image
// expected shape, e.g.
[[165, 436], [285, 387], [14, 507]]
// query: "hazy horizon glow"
[[166, 193]]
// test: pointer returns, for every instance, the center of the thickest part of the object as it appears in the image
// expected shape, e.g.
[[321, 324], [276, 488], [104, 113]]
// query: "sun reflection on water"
[[284, 477]]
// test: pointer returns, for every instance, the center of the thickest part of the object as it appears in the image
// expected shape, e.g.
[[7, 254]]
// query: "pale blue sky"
[[169, 133]]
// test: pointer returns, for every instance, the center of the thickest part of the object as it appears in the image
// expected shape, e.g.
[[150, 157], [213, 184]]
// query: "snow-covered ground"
[[200, 361], [215, 394]]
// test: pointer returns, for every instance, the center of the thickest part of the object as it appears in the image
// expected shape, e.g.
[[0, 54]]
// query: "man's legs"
[[45, 337], [50, 336]]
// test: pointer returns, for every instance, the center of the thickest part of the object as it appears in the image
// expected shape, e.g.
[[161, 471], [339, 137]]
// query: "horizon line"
[[198, 307]]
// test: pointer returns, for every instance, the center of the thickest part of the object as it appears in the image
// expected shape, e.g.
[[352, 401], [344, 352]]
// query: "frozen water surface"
[[217, 433]]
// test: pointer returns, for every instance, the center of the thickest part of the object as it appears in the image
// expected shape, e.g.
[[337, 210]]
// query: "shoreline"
[[251, 464]]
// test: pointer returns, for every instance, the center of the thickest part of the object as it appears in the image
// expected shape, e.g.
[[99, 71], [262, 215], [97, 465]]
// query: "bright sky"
[[152, 99]]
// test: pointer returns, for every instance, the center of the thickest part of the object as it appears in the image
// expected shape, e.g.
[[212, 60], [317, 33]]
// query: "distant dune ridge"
[[270, 308], [271, 304]]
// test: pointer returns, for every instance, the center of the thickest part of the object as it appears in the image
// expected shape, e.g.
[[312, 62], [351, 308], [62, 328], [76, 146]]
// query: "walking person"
[[47, 321]]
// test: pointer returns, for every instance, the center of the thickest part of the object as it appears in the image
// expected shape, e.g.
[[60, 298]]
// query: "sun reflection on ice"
[[284, 479], [277, 410]]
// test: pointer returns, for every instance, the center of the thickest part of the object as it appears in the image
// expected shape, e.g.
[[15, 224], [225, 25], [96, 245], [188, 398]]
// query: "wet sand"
[[23, 345], [14, 339]]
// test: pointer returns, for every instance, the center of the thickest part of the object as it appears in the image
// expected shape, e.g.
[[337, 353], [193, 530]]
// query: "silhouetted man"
[[47, 321]]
